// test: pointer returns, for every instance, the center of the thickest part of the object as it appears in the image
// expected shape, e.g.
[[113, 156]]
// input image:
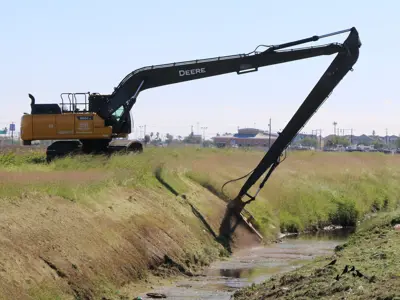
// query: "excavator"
[[97, 124]]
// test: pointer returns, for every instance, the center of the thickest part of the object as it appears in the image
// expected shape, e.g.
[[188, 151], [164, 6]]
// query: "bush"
[[346, 214]]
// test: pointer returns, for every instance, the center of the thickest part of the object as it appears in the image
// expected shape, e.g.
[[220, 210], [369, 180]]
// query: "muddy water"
[[253, 265]]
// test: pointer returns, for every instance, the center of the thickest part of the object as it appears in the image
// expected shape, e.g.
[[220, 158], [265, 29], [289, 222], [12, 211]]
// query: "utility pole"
[[140, 131], [386, 136], [351, 136], [351, 133], [204, 133], [334, 127], [316, 136], [320, 139], [269, 134], [144, 135]]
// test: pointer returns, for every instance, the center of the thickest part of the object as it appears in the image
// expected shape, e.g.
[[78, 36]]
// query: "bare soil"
[[52, 248]]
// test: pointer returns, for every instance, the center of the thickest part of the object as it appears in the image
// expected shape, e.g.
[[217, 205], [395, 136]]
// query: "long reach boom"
[[125, 94]]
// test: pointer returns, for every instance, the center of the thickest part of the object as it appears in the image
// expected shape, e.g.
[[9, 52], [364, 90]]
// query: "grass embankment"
[[90, 225], [87, 228], [373, 269], [309, 190]]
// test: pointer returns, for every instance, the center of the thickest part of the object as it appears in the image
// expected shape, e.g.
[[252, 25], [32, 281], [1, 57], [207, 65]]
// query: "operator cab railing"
[[70, 102]]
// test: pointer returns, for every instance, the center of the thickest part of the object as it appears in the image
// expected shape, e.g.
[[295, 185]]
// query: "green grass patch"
[[46, 292]]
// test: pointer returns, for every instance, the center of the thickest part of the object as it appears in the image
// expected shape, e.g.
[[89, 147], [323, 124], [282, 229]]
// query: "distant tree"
[[337, 140], [191, 139], [397, 143], [373, 133], [378, 145], [208, 143], [169, 138], [146, 139], [188, 139], [308, 142]]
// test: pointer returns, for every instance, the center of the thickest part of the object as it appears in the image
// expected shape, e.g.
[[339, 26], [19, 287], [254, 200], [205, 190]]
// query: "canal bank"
[[365, 266]]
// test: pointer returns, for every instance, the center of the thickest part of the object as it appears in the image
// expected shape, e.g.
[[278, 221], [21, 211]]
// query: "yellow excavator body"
[[85, 125]]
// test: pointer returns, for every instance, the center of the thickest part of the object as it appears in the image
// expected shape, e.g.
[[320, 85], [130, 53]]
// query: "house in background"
[[246, 137], [361, 140], [301, 136]]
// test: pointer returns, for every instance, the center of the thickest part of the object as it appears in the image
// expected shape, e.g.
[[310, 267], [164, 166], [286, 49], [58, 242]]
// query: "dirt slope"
[[52, 248]]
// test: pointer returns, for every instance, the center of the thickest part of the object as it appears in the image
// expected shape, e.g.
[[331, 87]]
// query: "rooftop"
[[248, 133]]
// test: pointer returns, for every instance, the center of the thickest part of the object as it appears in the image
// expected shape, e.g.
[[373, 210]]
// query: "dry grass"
[[308, 190], [103, 222]]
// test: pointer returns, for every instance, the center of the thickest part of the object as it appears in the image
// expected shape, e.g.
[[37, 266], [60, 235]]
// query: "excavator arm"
[[340, 66], [125, 94]]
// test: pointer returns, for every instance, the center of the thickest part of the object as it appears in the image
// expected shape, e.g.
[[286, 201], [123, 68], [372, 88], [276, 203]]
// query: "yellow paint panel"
[[44, 126], [26, 128], [98, 122], [64, 126]]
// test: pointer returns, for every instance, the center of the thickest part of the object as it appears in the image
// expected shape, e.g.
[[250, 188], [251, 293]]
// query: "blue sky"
[[50, 47]]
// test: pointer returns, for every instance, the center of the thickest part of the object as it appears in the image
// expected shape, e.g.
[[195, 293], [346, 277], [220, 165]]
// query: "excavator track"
[[64, 148]]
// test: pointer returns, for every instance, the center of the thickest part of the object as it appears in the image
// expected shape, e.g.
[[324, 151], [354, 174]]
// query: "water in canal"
[[254, 265]]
